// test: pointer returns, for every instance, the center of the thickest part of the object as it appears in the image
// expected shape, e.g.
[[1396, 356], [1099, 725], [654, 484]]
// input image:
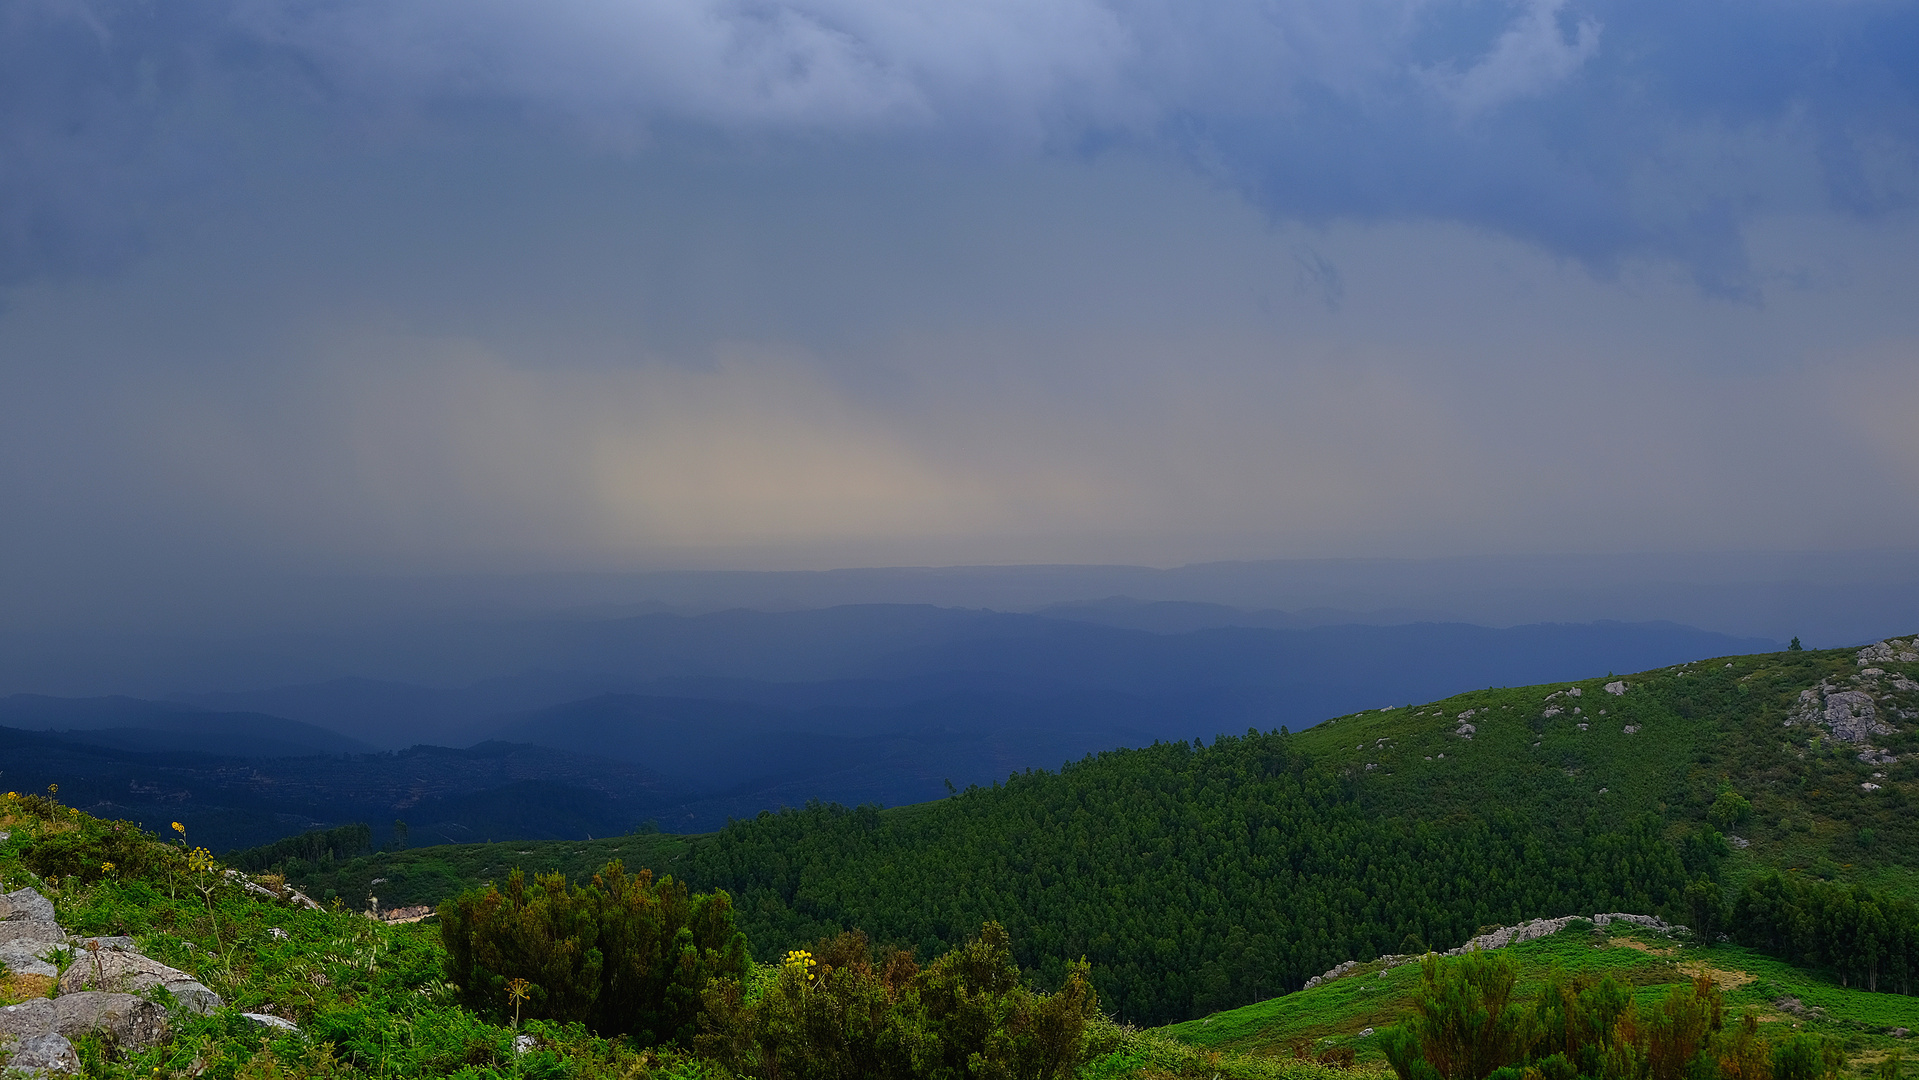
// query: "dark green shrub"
[[841, 1012], [1807, 1057], [99, 849], [1465, 1023], [1463, 1026], [624, 954]]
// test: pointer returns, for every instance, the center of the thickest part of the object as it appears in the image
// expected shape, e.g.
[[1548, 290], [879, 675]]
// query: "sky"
[[425, 286]]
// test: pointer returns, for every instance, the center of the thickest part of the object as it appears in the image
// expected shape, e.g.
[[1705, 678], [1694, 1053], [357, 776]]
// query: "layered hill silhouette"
[[687, 722]]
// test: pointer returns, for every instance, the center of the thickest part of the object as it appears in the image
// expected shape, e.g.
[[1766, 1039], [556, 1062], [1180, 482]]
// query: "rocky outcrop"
[[127, 972], [1849, 714], [1890, 651], [107, 989]]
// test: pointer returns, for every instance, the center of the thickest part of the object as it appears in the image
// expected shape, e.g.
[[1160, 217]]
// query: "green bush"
[[624, 954], [97, 849], [843, 1013], [1807, 1057], [1465, 1026]]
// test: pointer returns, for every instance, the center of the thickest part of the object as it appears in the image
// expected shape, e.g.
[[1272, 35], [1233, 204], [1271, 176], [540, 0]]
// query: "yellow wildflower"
[[179, 828]]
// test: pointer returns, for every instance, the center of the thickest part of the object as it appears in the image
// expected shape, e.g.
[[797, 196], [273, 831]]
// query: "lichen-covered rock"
[[1615, 688], [134, 973], [115, 944], [23, 957], [40, 935], [27, 904], [31, 1017], [46, 1054], [132, 1021]]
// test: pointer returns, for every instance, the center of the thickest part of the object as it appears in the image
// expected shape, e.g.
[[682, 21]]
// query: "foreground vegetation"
[[631, 976], [625, 976]]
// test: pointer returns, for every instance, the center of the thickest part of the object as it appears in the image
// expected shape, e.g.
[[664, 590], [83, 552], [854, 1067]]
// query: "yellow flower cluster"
[[179, 828], [200, 859], [800, 960]]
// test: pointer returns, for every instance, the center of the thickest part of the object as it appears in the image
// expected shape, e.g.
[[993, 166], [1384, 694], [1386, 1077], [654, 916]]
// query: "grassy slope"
[[1337, 1012], [1700, 725]]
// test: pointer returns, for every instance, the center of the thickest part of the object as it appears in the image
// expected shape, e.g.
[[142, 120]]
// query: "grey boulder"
[[32, 1017], [132, 1021], [45, 1054], [134, 973], [23, 957], [27, 904]]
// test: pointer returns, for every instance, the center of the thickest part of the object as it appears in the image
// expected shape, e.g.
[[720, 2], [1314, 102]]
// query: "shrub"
[[1464, 1024], [1464, 1027], [95, 850], [841, 1011], [1807, 1057], [624, 954]]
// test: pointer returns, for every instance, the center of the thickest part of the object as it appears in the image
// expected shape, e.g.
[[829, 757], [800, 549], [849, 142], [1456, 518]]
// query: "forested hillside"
[[1195, 878]]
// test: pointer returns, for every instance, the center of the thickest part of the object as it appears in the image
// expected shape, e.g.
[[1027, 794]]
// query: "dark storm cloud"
[[1599, 130]]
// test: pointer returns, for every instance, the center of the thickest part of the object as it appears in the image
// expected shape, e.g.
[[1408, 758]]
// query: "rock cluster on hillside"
[[1890, 651], [100, 991], [1849, 714]]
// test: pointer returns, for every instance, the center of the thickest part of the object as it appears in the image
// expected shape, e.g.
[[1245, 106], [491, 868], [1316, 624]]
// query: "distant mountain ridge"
[[872, 653], [712, 717], [136, 724]]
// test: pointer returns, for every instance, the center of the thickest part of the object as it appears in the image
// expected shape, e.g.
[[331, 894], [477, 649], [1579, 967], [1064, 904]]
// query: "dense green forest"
[[1192, 879], [1196, 878]]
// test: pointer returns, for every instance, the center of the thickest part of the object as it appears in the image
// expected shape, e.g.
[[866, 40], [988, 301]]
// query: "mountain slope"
[[1195, 878]]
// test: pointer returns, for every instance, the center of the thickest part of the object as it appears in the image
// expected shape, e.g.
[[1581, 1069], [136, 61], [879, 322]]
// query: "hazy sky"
[[494, 284]]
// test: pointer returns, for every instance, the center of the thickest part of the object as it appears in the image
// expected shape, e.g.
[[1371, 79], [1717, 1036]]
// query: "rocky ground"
[[75, 986]]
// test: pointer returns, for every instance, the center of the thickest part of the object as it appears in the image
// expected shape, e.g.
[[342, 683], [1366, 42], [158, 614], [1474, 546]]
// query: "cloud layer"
[[426, 284], [1600, 129]]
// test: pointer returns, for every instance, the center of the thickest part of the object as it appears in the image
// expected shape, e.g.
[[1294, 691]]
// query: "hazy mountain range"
[[689, 720]]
